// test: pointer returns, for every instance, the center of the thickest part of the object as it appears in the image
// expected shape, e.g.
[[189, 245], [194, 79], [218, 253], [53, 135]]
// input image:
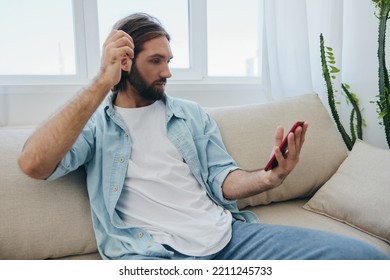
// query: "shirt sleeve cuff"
[[58, 172], [218, 181]]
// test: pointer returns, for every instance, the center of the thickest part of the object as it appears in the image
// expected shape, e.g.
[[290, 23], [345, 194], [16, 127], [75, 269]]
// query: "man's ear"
[[126, 63]]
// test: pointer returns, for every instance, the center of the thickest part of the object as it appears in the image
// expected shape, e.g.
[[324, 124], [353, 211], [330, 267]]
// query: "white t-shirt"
[[160, 193]]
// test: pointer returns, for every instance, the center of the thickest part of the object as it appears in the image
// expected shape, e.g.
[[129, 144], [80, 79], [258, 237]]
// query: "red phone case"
[[283, 147]]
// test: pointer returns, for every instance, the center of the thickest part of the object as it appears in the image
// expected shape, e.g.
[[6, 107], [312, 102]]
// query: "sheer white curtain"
[[292, 57]]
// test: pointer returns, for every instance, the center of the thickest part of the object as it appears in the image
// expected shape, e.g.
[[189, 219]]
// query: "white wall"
[[357, 59], [360, 63], [18, 108]]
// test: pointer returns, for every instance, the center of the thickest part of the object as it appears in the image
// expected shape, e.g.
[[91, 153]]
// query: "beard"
[[149, 92]]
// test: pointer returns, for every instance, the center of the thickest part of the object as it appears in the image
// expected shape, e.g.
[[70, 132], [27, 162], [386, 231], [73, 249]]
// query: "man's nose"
[[166, 72]]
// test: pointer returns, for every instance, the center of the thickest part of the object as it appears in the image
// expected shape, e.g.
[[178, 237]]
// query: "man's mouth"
[[160, 82]]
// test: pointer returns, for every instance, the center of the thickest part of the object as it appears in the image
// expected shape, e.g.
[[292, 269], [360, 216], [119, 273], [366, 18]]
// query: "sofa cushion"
[[358, 194], [248, 133], [40, 219], [291, 213]]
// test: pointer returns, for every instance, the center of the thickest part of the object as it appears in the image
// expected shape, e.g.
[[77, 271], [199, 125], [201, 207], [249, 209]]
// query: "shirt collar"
[[172, 108]]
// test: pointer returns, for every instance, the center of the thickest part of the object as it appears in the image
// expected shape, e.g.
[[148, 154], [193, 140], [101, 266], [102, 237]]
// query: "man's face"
[[150, 70]]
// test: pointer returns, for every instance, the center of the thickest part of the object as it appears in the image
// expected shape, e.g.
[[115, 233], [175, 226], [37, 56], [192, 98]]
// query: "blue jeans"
[[274, 242]]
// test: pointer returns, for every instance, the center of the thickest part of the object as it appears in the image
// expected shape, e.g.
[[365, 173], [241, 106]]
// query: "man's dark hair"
[[142, 28]]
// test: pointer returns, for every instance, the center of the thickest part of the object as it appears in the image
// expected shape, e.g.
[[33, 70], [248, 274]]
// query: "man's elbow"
[[31, 167]]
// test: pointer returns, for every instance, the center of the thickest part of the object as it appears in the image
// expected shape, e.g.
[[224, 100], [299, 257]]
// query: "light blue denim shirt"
[[104, 148]]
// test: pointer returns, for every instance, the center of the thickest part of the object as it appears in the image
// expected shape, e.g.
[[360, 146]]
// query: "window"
[[58, 42], [43, 42], [233, 38], [31, 46]]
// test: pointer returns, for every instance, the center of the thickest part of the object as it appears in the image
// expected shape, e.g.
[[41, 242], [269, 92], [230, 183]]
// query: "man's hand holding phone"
[[287, 150]]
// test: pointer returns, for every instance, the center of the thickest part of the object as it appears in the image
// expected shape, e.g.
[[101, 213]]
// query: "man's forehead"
[[157, 47]]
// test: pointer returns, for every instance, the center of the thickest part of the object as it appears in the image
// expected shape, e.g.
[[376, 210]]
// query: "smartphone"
[[283, 147]]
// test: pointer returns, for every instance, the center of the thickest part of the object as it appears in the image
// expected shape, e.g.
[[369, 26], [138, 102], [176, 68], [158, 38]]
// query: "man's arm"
[[241, 184], [52, 140]]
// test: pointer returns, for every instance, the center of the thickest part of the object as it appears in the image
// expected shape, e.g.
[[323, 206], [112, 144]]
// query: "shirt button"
[[121, 159], [115, 189], [141, 234]]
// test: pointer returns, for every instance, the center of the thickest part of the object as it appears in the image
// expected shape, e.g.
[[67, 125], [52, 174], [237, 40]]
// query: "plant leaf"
[[334, 69]]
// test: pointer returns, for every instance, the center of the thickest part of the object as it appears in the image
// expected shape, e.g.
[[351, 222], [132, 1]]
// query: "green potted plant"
[[383, 102], [356, 121]]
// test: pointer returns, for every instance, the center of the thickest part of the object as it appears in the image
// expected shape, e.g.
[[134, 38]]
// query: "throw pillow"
[[358, 194]]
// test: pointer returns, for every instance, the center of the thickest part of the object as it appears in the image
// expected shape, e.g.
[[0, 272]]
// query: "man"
[[160, 182]]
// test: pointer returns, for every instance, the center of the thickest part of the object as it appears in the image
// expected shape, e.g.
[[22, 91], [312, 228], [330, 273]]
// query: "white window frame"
[[87, 52]]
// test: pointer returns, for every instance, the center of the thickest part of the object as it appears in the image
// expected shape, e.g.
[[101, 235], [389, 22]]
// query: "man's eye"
[[155, 61]]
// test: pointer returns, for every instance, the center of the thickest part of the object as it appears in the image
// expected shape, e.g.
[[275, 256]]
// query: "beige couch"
[[41, 220]]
